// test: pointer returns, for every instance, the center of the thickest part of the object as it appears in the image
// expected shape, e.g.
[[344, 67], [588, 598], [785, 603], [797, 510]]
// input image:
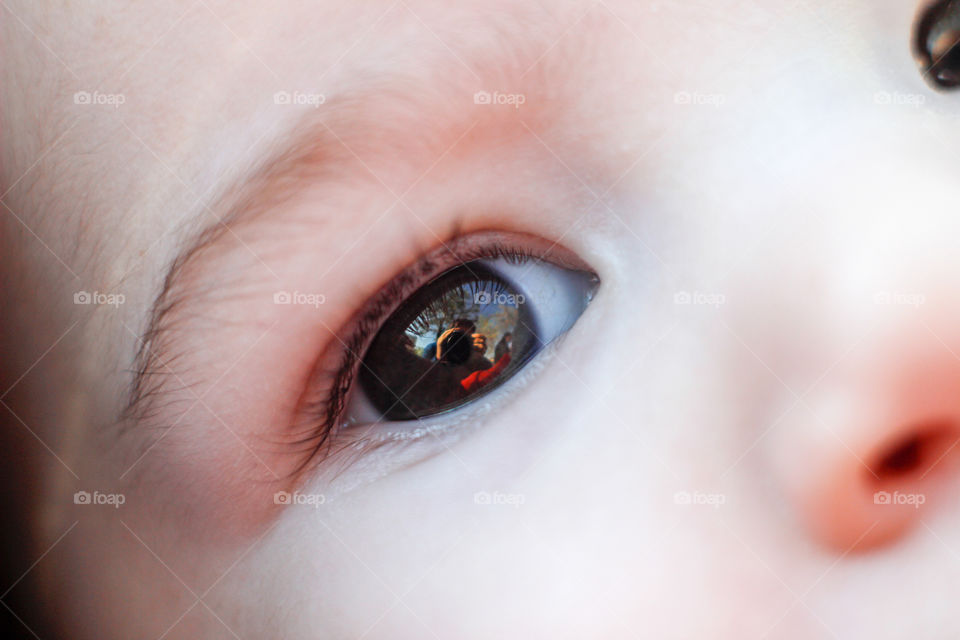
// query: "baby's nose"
[[873, 450]]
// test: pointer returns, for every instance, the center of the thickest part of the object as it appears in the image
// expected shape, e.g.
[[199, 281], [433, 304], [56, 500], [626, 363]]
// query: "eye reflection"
[[468, 331]]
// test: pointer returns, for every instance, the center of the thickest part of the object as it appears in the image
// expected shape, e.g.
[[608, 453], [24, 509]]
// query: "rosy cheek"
[[228, 450]]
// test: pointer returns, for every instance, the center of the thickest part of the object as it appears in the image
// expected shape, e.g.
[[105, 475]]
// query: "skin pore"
[[765, 193]]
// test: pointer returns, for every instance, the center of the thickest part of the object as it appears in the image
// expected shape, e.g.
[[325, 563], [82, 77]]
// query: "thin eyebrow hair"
[[317, 148], [261, 187]]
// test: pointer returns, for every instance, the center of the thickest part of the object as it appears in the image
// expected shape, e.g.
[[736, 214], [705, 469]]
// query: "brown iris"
[[455, 339]]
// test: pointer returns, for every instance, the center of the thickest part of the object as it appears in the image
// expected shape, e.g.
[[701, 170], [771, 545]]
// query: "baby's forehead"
[[608, 89]]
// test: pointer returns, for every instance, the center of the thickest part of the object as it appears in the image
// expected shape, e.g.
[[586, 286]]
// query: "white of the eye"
[[554, 295]]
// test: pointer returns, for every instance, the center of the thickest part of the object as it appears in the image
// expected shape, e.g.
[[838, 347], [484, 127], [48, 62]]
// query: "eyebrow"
[[427, 119]]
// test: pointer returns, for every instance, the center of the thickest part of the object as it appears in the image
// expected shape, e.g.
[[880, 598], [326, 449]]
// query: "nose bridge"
[[889, 201], [862, 223], [861, 198]]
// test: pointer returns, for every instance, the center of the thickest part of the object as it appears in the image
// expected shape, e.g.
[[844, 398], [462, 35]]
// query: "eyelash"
[[323, 412]]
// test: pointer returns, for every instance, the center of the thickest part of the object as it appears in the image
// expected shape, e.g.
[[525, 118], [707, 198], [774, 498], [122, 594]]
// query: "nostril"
[[917, 456], [904, 459], [860, 499]]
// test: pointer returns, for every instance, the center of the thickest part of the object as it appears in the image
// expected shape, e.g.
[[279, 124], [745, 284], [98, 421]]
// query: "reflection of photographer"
[[454, 347], [461, 345]]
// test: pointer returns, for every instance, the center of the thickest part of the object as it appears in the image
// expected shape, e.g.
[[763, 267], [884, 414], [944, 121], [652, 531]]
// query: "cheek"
[[222, 437], [506, 499]]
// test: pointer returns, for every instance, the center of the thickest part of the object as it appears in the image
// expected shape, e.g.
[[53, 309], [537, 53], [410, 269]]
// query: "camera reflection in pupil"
[[451, 342]]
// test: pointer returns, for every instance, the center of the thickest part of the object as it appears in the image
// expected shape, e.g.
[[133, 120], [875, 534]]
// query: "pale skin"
[[675, 467]]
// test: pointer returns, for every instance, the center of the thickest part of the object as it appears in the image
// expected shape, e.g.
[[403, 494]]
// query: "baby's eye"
[[464, 333]]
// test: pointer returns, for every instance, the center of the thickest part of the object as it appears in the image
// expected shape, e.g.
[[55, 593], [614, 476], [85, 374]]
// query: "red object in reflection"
[[478, 379]]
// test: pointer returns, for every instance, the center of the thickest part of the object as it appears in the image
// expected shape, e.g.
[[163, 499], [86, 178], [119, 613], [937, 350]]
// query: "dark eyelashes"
[[323, 411], [426, 319]]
